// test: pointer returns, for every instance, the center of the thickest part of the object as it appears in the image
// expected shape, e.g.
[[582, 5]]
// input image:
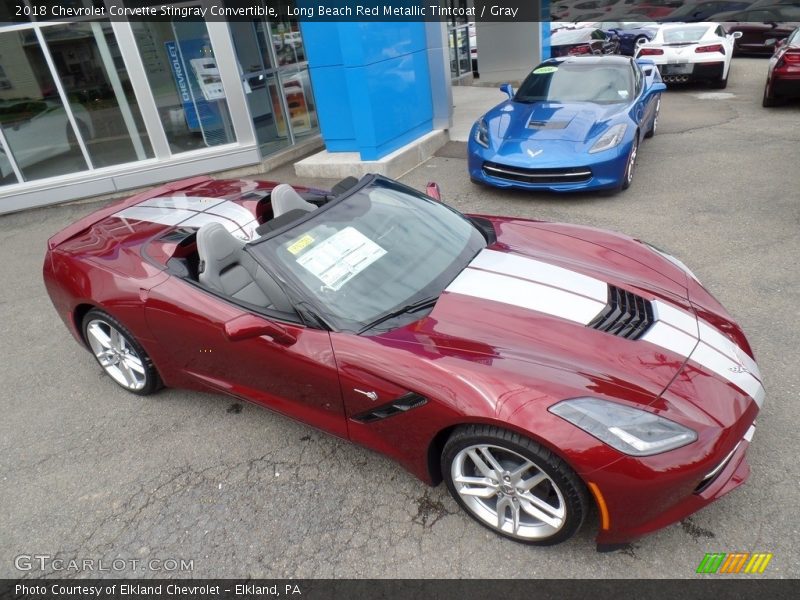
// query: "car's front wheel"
[[121, 356], [630, 166], [654, 127], [514, 486]]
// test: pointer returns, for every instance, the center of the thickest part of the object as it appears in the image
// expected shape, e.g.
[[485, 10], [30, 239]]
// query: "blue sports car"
[[575, 124]]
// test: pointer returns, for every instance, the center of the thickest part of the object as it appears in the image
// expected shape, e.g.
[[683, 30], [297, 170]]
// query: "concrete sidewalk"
[[469, 103]]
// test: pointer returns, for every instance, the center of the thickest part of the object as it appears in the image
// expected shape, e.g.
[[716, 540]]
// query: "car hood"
[[528, 306], [567, 121]]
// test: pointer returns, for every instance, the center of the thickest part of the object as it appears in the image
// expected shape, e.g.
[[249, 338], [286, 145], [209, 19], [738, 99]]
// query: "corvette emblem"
[[739, 368], [533, 154]]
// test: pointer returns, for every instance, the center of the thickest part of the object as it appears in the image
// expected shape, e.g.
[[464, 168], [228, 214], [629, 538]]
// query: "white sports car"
[[687, 52]]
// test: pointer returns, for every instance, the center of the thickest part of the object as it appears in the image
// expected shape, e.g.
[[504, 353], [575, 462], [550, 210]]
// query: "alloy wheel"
[[116, 355], [508, 492]]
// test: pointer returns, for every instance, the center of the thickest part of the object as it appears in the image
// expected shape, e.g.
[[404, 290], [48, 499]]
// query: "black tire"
[[768, 101], [627, 175], [654, 128], [720, 84], [562, 483], [150, 381]]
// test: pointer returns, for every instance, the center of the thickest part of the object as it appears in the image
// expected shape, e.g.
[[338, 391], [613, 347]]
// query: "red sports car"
[[783, 77], [541, 370]]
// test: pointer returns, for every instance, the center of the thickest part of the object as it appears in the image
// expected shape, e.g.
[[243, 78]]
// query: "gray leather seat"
[[284, 198], [227, 268]]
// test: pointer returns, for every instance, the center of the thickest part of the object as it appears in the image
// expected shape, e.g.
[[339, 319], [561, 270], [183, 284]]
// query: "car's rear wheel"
[[721, 83], [121, 356], [654, 128], [630, 166], [514, 486], [768, 101]]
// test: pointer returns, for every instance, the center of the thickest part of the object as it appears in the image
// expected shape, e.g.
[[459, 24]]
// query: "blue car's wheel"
[[630, 166], [653, 129]]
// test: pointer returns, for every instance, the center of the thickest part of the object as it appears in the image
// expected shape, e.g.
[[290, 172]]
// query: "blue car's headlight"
[[610, 139], [629, 430], [482, 133]]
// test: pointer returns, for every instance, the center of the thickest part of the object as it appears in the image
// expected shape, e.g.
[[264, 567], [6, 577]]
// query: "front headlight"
[[677, 262], [629, 430], [482, 133], [610, 139]]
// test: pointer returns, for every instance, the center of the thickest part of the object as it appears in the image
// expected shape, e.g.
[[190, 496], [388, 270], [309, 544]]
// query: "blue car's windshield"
[[366, 256], [575, 82]]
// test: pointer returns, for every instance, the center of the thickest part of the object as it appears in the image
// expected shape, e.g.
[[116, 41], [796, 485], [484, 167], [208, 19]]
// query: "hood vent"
[[626, 315], [532, 124]]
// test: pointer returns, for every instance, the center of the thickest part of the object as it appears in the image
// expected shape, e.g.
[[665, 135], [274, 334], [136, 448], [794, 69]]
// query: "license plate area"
[[677, 69]]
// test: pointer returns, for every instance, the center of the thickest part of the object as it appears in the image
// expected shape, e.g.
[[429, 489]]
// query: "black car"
[[583, 41], [695, 12], [761, 27]]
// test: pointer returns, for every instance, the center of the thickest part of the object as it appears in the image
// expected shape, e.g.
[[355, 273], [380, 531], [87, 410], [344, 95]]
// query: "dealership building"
[[92, 106]]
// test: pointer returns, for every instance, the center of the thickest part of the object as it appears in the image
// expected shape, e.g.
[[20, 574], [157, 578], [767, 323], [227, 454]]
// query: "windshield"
[[575, 82], [684, 34], [371, 253]]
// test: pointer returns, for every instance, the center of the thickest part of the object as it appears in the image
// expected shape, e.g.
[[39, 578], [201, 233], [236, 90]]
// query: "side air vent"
[[626, 315], [402, 404]]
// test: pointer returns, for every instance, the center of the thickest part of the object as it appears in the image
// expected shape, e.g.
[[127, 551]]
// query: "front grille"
[[626, 315], [565, 175]]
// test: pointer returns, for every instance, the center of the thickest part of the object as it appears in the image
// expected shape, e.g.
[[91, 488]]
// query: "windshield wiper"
[[408, 308]]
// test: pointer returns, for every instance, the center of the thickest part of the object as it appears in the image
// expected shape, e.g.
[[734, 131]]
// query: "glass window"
[[372, 252], [185, 81], [34, 124], [94, 78], [276, 81]]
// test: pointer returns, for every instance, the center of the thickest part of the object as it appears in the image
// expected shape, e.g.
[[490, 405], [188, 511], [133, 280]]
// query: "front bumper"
[[579, 171], [642, 496]]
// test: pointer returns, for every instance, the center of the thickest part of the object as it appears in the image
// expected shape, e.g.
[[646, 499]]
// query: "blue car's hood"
[[567, 121]]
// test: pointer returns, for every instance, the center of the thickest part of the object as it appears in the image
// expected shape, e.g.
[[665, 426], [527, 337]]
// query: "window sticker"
[[545, 70], [300, 243], [339, 258]]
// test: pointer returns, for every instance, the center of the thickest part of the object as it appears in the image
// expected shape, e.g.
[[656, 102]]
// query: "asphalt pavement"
[[88, 471]]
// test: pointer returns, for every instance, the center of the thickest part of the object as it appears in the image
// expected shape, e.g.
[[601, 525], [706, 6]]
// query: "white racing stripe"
[[526, 294], [534, 285], [194, 211], [155, 214], [541, 272]]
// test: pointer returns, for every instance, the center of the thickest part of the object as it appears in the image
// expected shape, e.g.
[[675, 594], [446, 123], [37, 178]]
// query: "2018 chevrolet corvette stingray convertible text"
[[575, 124], [539, 369]]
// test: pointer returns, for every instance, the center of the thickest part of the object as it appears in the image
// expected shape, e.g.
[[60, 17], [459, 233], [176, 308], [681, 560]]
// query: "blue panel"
[[545, 30], [332, 98], [371, 84], [367, 43], [321, 41]]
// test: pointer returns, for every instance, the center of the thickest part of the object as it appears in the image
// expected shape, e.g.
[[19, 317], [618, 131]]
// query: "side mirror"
[[780, 43], [432, 189], [737, 35], [247, 326], [658, 87], [506, 87]]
